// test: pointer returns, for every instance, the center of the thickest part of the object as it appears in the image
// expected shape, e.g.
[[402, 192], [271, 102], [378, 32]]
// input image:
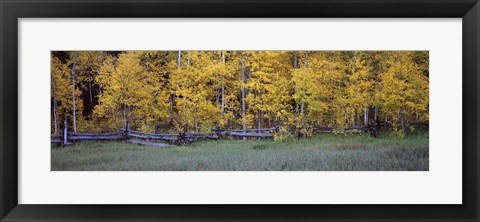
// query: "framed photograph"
[[226, 110]]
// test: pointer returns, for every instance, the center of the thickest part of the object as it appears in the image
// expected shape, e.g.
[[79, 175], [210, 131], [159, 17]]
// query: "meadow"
[[321, 153]]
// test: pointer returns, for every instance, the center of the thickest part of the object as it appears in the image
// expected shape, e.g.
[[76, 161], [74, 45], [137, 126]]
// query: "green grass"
[[322, 153]]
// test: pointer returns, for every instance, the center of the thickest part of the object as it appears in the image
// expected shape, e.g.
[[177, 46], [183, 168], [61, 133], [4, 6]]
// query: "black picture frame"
[[11, 11]]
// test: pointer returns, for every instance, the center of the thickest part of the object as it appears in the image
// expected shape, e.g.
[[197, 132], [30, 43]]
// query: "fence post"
[[125, 132], [65, 132]]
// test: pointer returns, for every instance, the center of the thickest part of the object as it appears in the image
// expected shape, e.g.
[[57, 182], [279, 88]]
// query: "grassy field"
[[322, 153]]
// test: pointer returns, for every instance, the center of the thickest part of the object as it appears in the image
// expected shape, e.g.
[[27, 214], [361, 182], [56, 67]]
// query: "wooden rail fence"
[[151, 139]]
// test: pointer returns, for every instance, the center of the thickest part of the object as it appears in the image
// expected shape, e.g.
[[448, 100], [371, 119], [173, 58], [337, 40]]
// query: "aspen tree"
[[197, 91]]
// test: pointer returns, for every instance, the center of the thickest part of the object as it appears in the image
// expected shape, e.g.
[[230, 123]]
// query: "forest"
[[200, 91]]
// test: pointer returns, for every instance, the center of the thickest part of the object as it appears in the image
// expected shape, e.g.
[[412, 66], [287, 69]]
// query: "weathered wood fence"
[[152, 139], [144, 138]]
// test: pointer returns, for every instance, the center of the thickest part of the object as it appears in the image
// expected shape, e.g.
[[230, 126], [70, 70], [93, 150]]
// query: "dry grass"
[[322, 153]]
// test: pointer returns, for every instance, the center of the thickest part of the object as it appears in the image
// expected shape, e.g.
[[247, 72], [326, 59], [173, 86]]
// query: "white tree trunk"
[[295, 65], [172, 96], [185, 107], [90, 91], [55, 115], [365, 116], [269, 121], [260, 119], [217, 97], [65, 131], [243, 93], [179, 59], [223, 86], [125, 117], [74, 100], [55, 123], [305, 64]]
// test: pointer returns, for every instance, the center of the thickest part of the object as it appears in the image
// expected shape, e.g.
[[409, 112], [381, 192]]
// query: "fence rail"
[[150, 139], [145, 133], [243, 134], [254, 130], [94, 134], [96, 137]]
